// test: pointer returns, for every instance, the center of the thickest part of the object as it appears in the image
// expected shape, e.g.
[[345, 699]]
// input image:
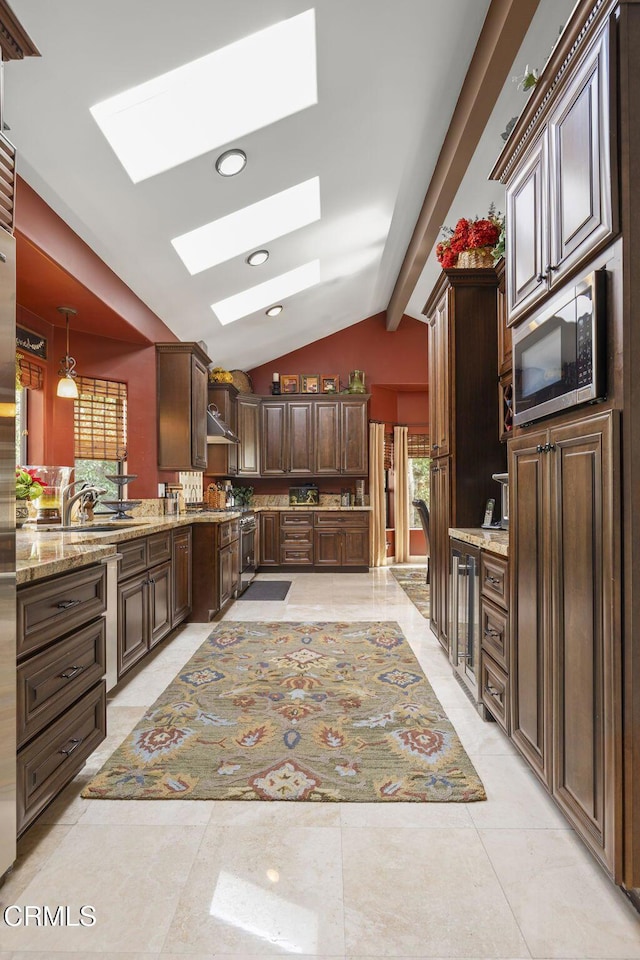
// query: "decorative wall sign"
[[32, 343]]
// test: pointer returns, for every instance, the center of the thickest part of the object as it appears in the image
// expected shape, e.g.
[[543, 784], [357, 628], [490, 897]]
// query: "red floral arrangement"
[[469, 235]]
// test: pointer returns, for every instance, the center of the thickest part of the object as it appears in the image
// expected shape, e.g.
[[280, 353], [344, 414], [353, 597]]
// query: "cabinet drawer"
[[228, 532], [294, 537], [46, 611], [494, 578], [133, 558], [494, 632], [290, 553], [158, 548], [494, 690], [336, 518], [296, 520], [53, 679], [47, 764]]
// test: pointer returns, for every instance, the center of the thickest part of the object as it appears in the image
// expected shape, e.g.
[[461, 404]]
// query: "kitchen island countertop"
[[494, 540]]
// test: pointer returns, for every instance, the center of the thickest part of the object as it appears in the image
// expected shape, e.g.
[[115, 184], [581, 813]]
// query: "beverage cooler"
[[464, 615]]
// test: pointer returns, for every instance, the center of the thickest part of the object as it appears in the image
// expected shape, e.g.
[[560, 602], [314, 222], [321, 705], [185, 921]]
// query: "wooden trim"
[[15, 42], [504, 28], [185, 347], [483, 277]]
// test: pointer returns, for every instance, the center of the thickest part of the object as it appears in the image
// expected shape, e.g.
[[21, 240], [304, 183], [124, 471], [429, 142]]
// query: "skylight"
[[264, 294], [250, 227], [213, 100]]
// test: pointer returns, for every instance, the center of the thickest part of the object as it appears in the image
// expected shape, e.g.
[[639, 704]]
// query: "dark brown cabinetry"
[[182, 575], [222, 458], [145, 599], [341, 539], [61, 693], [216, 573], [315, 539], [494, 637], [314, 437], [565, 667], [561, 201], [248, 429], [182, 378], [463, 415], [269, 539], [296, 538]]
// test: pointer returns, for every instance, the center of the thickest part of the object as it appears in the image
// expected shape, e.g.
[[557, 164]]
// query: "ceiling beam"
[[504, 29]]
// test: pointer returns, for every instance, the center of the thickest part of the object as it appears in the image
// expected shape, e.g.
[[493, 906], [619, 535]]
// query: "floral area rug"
[[413, 582], [294, 711]]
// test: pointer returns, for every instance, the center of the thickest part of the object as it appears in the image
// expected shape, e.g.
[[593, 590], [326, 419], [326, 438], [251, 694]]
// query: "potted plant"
[[473, 243], [29, 486]]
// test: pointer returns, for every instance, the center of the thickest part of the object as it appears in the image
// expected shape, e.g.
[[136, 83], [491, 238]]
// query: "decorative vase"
[[472, 259], [356, 382], [22, 512]]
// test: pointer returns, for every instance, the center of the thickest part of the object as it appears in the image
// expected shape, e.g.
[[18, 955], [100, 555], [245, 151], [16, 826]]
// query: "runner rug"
[[413, 582], [294, 711]]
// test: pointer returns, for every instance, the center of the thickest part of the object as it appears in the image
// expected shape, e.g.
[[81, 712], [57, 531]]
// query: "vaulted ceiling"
[[388, 79]]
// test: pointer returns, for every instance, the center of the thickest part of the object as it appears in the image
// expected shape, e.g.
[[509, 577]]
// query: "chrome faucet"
[[86, 492]]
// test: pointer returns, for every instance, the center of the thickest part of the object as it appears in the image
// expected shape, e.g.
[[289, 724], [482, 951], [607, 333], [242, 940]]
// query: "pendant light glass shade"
[[67, 386]]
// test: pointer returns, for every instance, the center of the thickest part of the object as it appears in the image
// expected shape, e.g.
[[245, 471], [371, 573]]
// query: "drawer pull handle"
[[494, 580], [492, 633], [65, 604], [71, 672], [75, 743], [494, 692]]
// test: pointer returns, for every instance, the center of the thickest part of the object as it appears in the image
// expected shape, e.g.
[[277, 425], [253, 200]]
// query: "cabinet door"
[[440, 520], [159, 603], [269, 539], [222, 458], [584, 660], [328, 453], [273, 439], [580, 164], [248, 412], [199, 382], [527, 253], [529, 564], [354, 437], [182, 578], [133, 621], [355, 547], [225, 567], [300, 433], [439, 380], [327, 548]]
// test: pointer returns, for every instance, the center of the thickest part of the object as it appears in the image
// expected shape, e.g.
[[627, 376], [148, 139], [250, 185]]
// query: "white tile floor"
[[197, 879]]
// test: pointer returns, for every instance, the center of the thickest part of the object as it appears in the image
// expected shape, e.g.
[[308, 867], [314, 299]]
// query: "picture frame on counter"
[[310, 383], [289, 383], [330, 383]]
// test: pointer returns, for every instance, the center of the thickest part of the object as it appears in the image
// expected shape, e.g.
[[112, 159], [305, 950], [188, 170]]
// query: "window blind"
[[418, 445], [388, 451], [100, 419], [30, 374]]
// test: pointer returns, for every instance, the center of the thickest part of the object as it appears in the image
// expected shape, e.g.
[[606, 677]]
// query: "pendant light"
[[67, 386]]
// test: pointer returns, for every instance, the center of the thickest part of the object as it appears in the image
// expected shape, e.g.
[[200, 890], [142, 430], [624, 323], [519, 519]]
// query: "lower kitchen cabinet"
[[216, 572], [296, 538], [61, 692], [182, 575], [494, 638], [341, 539], [314, 539], [565, 660], [269, 539], [440, 511]]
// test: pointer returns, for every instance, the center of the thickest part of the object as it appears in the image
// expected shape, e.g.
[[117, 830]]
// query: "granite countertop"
[[44, 553], [308, 506], [495, 540]]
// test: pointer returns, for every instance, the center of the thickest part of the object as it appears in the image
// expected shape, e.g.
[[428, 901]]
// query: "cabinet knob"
[[541, 277], [540, 448], [435, 446], [551, 267], [493, 580]]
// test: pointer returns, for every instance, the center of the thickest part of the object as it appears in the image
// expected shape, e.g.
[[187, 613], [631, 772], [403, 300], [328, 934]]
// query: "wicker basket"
[[471, 259], [216, 499], [242, 381]]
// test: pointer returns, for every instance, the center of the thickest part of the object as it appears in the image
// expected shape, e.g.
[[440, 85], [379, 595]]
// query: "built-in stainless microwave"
[[559, 356]]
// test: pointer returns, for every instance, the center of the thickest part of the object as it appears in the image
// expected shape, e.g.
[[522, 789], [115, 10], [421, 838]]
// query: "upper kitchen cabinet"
[[222, 458], [182, 379], [560, 171], [248, 430]]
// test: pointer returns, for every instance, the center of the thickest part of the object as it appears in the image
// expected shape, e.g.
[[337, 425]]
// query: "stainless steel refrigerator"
[[7, 552]]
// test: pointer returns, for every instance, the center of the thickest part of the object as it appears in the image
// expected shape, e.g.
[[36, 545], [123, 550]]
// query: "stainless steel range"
[[248, 560]]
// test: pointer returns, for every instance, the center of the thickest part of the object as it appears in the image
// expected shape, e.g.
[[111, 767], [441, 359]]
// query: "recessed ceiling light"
[[274, 311], [246, 229], [257, 258], [269, 292], [231, 162], [277, 67]]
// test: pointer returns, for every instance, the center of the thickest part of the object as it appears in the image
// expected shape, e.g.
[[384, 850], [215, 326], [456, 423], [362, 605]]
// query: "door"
[[464, 613], [585, 663], [273, 438], [328, 453], [327, 548], [181, 605], [300, 433], [354, 437], [225, 566], [269, 539], [159, 602], [527, 254], [199, 384], [248, 413], [133, 621], [580, 164], [355, 547], [529, 676]]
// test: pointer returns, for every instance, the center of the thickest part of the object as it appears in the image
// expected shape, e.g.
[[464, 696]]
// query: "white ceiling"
[[388, 79]]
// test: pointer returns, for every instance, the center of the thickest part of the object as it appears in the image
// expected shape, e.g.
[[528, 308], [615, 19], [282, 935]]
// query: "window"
[[21, 426], [100, 431], [29, 376], [418, 474]]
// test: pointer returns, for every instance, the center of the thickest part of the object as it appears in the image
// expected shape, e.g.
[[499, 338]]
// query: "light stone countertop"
[[496, 541], [44, 553], [302, 507]]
